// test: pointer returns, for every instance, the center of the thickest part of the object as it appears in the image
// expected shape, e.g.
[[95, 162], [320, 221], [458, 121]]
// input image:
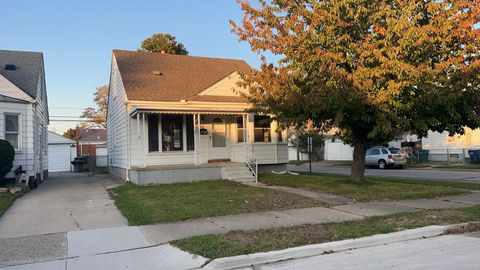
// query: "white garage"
[[60, 152], [337, 150]]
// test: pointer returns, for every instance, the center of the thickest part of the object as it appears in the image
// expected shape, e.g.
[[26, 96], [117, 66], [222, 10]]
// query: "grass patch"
[[372, 189], [174, 202], [245, 242], [5, 201]]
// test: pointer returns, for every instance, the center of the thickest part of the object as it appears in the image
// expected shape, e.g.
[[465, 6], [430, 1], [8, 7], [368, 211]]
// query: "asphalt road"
[[460, 252], [467, 176]]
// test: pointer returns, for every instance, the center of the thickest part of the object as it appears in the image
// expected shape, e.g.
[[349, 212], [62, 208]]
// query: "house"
[[443, 147], [61, 150], [24, 111], [90, 141], [174, 118]]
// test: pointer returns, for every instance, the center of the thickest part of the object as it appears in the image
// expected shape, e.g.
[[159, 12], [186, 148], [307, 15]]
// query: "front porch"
[[169, 146]]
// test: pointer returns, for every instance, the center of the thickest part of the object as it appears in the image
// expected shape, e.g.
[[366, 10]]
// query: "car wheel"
[[382, 164]]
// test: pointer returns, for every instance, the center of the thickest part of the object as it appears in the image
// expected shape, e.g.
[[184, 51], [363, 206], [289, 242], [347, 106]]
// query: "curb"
[[325, 248]]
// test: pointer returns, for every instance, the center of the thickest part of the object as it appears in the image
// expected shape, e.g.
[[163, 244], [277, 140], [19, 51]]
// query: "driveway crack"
[[74, 219]]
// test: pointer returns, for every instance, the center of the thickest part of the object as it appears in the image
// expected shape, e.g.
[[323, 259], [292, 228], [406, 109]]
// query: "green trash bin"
[[423, 156]]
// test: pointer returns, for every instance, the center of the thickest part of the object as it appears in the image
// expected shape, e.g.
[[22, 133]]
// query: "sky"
[[77, 38]]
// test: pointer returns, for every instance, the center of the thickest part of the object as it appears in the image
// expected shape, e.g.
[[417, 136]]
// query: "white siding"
[[25, 157], [117, 120]]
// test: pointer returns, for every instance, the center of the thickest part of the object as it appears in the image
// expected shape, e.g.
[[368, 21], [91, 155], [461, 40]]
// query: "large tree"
[[371, 68], [97, 118], [163, 43]]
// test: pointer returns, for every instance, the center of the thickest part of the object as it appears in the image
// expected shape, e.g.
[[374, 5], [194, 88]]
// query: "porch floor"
[[186, 166]]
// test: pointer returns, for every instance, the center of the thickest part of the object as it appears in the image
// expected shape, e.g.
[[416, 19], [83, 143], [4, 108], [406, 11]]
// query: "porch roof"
[[222, 111]]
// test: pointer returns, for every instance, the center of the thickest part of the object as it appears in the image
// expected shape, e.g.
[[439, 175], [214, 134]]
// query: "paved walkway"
[[329, 198], [145, 247], [64, 202]]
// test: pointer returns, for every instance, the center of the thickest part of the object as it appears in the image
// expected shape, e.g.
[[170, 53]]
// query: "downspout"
[[127, 178]]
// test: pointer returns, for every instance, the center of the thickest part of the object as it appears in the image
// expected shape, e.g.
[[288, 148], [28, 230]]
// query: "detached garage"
[[61, 150]]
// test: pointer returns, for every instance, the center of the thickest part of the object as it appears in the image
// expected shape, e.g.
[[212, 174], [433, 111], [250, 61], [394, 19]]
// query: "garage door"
[[59, 157]]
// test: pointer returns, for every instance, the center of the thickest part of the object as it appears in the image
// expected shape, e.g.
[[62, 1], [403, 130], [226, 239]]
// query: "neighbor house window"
[[172, 133], [153, 133], [12, 130], [240, 130], [262, 128]]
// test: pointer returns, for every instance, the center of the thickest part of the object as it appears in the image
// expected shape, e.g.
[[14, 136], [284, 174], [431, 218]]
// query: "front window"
[[240, 130], [262, 128], [172, 133], [12, 130]]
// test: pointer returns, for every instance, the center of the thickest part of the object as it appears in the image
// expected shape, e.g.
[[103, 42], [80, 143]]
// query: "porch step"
[[239, 173]]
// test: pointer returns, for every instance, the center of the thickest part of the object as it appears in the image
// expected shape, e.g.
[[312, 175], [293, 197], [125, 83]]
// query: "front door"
[[218, 138]]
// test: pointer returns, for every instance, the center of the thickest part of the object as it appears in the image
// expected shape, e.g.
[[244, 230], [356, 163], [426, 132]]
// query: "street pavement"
[[466, 176], [459, 252]]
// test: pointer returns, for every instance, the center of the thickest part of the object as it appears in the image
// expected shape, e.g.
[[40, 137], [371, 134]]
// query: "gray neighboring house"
[[24, 111]]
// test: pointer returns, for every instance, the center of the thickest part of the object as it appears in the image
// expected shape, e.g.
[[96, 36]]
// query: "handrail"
[[251, 161]]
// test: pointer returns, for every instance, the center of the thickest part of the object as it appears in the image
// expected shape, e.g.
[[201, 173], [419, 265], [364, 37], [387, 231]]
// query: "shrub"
[[7, 154]]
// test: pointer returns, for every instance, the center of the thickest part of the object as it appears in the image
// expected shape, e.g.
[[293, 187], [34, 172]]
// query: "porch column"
[[184, 133], [250, 128], [144, 143], [273, 131]]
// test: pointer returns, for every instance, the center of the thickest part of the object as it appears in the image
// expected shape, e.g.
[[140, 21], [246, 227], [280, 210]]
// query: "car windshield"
[[394, 150]]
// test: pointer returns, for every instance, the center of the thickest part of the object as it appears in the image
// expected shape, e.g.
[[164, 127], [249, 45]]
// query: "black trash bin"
[[474, 156], [78, 163]]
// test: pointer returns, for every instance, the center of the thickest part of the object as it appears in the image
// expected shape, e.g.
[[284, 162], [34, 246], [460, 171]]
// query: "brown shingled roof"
[[182, 77]]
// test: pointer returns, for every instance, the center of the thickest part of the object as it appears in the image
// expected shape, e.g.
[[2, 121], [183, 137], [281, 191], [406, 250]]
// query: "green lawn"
[[174, 202], [5, 201], [373, 189], [245, 242]]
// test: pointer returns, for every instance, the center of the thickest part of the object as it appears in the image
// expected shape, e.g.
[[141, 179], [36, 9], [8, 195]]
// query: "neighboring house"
[[61, 150], [175, 118], [91, 141], [443, 147], [24, 111]]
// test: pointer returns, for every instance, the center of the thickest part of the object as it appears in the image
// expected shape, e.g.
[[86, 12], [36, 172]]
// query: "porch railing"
[[251, 160]]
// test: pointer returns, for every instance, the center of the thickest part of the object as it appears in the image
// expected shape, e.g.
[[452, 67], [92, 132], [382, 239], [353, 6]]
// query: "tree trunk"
[[358, 164]]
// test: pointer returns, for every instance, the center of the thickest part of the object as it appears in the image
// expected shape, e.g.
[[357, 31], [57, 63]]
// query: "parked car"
[[384, 157]]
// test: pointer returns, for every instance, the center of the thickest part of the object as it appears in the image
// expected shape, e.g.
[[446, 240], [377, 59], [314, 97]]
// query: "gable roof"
[[182, 77], [91, 135], [11, 99], [28, 69], [54, 138]]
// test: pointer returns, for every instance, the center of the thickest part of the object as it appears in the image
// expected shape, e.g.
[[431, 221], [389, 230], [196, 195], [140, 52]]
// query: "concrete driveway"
[[64, 202], [466, 176]]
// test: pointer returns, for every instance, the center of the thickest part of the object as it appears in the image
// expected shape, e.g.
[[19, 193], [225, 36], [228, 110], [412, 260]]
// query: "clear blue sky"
[[77, 37]]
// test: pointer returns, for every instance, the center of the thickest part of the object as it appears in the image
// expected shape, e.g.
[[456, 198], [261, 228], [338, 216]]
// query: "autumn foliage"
[[371, 68]]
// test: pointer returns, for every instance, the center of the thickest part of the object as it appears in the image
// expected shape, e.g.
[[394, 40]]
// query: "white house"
[[61, 150], [24, 111], [174, 118], [443, 147]]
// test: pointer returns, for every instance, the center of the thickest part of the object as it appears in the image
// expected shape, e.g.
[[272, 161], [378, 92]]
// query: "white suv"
[[384, 157]]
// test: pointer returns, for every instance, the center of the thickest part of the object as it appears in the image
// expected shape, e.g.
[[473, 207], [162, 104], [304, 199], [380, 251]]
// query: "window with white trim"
[[262, 128], [12, 130]]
